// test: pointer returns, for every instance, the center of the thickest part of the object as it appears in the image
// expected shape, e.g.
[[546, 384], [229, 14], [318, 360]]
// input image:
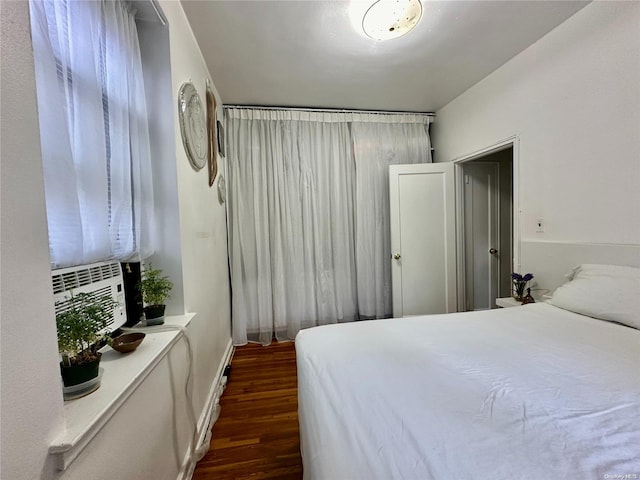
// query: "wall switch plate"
[[540, 225]]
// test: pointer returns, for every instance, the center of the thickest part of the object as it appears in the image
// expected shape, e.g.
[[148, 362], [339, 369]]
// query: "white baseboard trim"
[[208, 416]]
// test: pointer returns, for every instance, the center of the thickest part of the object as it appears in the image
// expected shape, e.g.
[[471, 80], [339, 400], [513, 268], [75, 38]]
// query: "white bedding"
[[531, 392]]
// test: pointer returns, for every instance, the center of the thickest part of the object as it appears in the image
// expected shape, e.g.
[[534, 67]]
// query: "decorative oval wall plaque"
[[211, 133], [193, 126]]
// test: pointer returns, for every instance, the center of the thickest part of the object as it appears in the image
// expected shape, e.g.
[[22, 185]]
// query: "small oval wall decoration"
[[211, 133], [193, 126]]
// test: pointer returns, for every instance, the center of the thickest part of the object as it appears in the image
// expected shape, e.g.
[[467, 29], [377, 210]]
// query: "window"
[[94, 131]]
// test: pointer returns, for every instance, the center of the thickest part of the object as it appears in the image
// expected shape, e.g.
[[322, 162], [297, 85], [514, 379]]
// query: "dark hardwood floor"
[[256, 435]]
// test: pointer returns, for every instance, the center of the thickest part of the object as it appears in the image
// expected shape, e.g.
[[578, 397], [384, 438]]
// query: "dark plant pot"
[[77, 374], [154, 314]]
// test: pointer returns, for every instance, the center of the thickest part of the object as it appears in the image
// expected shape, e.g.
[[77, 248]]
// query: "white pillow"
[[607, 292]]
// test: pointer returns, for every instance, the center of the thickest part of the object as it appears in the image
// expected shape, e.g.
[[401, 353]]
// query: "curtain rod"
[[328, 110], [159, 12]]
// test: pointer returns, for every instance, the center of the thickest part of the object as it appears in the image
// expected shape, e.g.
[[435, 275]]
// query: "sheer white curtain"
[[297, 182], [380, 141], [290, 182], [94, 131]]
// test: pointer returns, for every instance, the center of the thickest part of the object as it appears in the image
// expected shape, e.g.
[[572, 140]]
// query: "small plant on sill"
[[155, 289], [80, 327]]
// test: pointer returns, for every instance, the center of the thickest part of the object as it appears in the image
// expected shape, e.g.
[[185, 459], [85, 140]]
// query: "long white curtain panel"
[[309, 215], [94, 131], [377, 145]]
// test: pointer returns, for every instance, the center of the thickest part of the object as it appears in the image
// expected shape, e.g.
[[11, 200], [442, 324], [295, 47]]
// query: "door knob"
[[396, 256], [493, 251]]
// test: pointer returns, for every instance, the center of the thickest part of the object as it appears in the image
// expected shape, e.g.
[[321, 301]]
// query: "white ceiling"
[[308, 53]]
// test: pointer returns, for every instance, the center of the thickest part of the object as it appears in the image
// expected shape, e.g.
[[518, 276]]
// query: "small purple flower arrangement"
[[520, 284]]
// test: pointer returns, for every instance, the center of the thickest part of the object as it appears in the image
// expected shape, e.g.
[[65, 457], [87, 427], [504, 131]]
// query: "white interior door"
[[481, 235], [423, 244]]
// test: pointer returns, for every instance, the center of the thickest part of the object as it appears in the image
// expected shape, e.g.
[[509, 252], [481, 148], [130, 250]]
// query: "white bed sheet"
[[531, 392]]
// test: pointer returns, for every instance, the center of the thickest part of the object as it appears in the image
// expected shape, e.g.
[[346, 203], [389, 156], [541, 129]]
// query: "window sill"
[[122, 374]]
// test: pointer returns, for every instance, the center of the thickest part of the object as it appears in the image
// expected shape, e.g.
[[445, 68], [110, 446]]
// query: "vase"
[[518, 290]]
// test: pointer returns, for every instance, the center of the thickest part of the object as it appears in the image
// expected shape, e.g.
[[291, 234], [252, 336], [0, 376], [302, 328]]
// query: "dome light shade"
[[387, 19]]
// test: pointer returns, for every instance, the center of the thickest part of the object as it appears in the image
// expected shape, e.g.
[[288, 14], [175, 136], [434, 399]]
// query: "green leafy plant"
[[79, 325], [154, 286]]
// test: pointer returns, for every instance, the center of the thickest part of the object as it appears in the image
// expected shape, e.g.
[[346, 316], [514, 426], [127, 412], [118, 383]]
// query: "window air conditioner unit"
[[99, 280]]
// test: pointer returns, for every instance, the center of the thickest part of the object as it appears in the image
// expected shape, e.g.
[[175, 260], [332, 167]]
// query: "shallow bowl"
[[128, 342]]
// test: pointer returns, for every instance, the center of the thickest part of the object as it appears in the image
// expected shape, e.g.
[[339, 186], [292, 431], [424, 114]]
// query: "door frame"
[[495, 216], [509, 142]]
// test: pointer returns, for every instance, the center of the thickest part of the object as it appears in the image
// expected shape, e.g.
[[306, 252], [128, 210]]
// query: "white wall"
[[573, 99], [143, 433], [31, 397], [148, 436], [203, 228], [155, 48]]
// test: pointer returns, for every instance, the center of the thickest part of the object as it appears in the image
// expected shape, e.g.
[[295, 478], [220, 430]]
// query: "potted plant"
[[81, 326], [155, 290]]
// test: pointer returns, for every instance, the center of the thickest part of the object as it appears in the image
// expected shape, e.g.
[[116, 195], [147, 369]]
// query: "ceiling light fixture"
[[387, 19]]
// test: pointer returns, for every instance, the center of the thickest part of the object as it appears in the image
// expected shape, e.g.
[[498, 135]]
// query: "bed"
[[531, 392]]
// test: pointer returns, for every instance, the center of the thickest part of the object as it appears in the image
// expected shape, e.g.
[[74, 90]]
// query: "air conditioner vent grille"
[[103, 294], [84, 276], [96, 274], [100, 280], [70, 280], [58, 284], [105, 270]]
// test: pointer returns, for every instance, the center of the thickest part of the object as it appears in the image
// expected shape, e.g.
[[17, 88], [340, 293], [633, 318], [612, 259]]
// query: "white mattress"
[[531, 392]]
